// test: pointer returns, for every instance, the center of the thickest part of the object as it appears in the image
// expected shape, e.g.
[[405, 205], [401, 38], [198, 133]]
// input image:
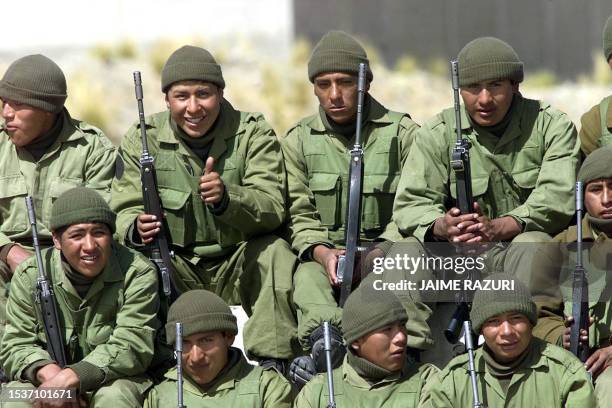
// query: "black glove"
[[301, 370], [318, 348]]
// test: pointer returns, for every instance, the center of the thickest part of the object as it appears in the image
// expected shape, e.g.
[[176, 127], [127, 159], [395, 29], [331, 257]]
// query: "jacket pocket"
[[13, 211], [179, 215], [378, 195], [327, 194]]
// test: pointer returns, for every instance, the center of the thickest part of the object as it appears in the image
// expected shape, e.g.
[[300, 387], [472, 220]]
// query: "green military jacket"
[[596, 126], [527, 174], [247, 157], [81, 156], [597, 262], [242, 386], [317, 166], [552, 378], [351, 390], [112, 327]]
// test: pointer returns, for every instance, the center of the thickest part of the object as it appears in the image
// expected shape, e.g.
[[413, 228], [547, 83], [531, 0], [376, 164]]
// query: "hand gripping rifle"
[[580, 290], [346, 263], [46, 298], [469, 345], [159, 248], [178, 353], [460, 162], [328, 362]]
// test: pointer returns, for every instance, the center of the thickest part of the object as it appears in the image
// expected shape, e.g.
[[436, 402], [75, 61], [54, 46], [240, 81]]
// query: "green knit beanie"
[[191, 63], [607, 39], [367, 310], [337, 52], [489, 303], [596, 165], [36, 81], [81, 205], [488, 58], [200, 311]]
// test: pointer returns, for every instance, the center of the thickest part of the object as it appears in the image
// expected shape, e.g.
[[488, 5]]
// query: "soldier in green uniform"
[[524, 155], [221, 181], [44, 152], [107, 302], [215, 374], [596, 175], [513, 368], [376, 372], [316, 152], [596, 129]]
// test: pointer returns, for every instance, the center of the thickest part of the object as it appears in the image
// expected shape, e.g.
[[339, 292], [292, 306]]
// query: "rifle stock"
[[46, 298], [346, 264], [580, 303], [159, 249]]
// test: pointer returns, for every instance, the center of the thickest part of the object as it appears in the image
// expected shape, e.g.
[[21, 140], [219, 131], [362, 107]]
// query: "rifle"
[[160, 247], [580, 290], [346, 263], [178, 353], [328, 362], [460, 163], [469, 345], [46, 298]]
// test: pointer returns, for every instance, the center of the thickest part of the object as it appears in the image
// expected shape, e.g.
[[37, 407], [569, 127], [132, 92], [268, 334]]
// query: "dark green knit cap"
[[36, 81], [489, 303], [81, 205], [191, 63], [367, 310], [488, 58], [337, 52], [596, 165], [607, 39], [200, 311]]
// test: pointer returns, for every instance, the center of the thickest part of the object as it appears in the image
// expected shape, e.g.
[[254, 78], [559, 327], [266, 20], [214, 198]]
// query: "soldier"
[[221, 181], [596, 176], [524, 156], [107, 302], [316, 152], [376, 370], [44, 152], [513, 368], [596, 129], [214, 372]]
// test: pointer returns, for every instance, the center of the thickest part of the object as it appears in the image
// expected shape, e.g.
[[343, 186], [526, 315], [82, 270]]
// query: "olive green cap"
[[596, 166], [488, 58], [81, 205], [337, 52], [200, 311], [489, 303], [36, 81], [191, 63], [367, 310]]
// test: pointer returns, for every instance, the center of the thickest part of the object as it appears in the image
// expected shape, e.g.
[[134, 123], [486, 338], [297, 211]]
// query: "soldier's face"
[[205, 355], [337, 94], [598, 198], [24, 123], [507, 335], [194, 106], [385, 347], [86, 247], [487, 102]]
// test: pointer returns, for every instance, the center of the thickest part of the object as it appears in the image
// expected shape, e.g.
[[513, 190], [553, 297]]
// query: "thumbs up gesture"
[[211, 185]]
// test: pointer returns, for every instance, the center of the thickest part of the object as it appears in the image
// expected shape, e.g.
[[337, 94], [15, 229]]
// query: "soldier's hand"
[[600, 360], [328, 258], [148, 226], [486, 229], [453, 226], [211, 185], [65, 379], [301, 370], [16, 255], [584, 335]]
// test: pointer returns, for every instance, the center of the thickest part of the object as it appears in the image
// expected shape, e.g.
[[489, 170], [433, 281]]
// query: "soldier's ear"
[[166, 99], [56, 240]]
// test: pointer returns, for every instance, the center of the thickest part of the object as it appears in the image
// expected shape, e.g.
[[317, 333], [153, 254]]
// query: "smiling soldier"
[[107, 302]]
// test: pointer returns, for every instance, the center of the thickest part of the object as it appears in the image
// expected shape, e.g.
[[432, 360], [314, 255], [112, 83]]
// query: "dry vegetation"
[[101, 87]]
